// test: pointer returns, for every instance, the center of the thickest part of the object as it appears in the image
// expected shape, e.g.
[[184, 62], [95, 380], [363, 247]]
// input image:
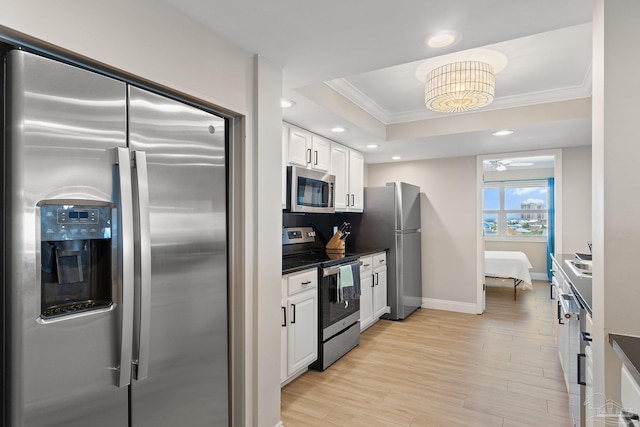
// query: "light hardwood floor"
[[439, 368]]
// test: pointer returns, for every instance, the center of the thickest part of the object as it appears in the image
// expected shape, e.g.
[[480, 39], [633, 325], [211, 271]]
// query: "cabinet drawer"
[[366, 263], [379, 259], [298, 282]]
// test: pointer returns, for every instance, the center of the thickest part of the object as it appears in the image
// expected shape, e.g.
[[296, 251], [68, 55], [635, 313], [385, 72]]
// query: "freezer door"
[[187, 373], [62, 124]]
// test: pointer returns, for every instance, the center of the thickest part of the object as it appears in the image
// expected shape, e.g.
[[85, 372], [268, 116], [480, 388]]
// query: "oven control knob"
[[311, 234]]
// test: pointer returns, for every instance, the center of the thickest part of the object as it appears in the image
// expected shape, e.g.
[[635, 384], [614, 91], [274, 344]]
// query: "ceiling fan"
[[501, 165]]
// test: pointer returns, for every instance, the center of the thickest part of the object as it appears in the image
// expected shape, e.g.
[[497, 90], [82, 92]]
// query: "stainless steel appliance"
[[115, 262], [338, 318], [310, 190], [391, 219]]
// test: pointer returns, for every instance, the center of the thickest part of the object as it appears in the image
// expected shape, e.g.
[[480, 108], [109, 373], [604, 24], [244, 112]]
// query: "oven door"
[[337, 315]]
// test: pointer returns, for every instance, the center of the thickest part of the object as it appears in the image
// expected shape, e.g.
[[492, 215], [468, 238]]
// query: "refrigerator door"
[[187, 374], [62, 124], [407, 201], [408, 291]]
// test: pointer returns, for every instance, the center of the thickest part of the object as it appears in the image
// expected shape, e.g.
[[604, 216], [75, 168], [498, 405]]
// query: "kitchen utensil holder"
[[336, 244]]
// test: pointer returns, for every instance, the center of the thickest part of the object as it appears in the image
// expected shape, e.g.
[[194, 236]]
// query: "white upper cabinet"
[[320, 153], [298, 147], [356, 181], [340, 168], [348, 167], [308, 150]]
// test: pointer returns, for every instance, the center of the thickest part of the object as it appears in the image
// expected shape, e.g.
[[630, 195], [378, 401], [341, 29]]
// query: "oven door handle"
[[330, 271]]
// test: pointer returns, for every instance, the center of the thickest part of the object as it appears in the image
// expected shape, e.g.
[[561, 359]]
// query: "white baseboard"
[[540, 276], [446, 305], [279, 424]]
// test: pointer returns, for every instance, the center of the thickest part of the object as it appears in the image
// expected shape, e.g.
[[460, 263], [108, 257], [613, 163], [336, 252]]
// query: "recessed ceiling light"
[[502, 132], [338, 129], [396, 158], [372, 145], [287, 103], [443, 39]]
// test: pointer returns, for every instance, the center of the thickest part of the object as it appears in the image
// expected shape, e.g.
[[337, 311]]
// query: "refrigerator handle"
[[126, 292], [142, 182]]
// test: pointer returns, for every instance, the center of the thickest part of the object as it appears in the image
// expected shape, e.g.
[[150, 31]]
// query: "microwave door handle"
[[144, 258], [127, 262]]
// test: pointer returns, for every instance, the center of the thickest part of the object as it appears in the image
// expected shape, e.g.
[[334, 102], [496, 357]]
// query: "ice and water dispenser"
[[76, 257]]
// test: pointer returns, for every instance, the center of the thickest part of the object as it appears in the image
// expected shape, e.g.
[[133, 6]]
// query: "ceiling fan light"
[[459, 86], [501, 168]]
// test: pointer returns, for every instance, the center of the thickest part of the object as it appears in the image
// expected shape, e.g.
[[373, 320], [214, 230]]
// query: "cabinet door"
[[379, 291], [356, 181], [321, 154], [340, 168], [299, 147], [302, 331], [366, 299]]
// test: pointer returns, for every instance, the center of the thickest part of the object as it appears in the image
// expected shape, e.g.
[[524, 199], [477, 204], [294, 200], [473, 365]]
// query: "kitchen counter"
[[628, 350], [581, 285], [299, 263]]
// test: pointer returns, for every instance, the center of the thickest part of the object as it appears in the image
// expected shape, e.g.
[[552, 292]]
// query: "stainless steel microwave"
[[310, 190]]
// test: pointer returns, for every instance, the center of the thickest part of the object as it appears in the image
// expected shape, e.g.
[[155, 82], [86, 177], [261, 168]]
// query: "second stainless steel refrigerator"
[[115, 261], [391, 219]]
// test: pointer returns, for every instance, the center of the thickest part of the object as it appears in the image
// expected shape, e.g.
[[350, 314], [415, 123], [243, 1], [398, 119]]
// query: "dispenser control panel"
[[72, 222]]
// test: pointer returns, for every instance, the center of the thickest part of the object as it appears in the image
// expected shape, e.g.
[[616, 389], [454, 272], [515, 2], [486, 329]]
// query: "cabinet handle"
[[373, 282], [309, 155], [353, 200], [586, 336], [306, 283], [560, 322], [629, 418], [316, 160], [284, 317], [551, 291], [367, 265], [377, 279], [347, 200], [381, 260], [293, 320], [579, 379]]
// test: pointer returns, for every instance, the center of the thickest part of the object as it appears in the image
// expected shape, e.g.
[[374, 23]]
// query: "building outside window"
[[516, 210]]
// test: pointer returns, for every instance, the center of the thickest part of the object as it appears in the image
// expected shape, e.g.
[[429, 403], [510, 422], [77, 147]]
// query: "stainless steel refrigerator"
[[115, 255], [391, 219]]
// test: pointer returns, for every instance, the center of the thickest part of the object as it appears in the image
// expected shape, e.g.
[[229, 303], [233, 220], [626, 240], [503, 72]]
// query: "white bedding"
[[508, 264]]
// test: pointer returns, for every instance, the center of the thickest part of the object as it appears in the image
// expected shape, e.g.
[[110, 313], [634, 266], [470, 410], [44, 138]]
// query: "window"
[[516, 210]]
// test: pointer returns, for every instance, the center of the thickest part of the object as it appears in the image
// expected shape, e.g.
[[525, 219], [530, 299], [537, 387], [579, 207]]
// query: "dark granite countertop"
[[581, 285], [291, 265], [628, 350]]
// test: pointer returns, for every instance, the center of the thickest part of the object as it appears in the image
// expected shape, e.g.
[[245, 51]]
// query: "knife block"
[[335, 245]]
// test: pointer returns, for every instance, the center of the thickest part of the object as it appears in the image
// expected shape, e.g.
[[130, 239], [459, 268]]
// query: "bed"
[[512, 265]]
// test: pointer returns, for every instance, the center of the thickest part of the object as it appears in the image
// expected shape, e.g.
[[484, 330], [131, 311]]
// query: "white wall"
[[449, 229], [616, 207], [156, 43]]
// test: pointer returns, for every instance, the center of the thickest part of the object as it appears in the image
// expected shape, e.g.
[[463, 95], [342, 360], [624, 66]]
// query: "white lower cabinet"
[[366, 292], [373, 285], [299, 311]]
